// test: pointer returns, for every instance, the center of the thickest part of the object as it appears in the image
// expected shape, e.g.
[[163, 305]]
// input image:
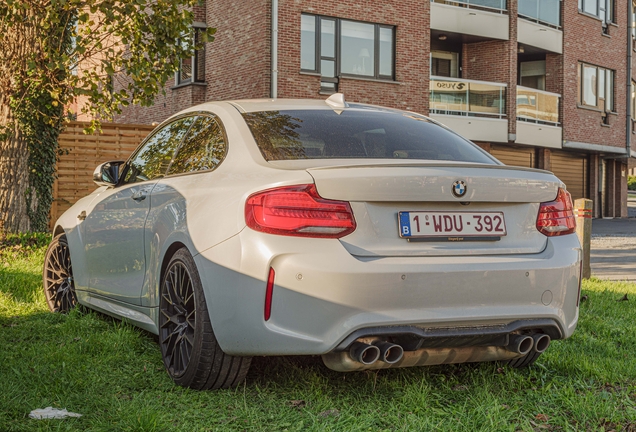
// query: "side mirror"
[[107, 174]]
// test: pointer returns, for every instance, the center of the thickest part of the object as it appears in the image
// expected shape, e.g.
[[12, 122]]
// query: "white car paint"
[[325, 289]]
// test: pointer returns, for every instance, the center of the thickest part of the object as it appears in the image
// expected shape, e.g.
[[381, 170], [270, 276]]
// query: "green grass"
[[112, 373]]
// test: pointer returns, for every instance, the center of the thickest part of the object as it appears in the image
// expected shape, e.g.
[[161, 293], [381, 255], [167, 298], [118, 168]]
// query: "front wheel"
[[190, 352], [57, 276]]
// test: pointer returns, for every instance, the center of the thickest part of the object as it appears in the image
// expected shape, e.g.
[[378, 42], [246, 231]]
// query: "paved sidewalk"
[[613, 255]]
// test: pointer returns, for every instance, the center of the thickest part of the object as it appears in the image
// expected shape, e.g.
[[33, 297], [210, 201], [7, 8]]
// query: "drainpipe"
[[630, 24], [274, 60]]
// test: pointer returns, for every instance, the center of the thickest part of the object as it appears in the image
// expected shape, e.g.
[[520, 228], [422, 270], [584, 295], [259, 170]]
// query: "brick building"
[[538, 83]]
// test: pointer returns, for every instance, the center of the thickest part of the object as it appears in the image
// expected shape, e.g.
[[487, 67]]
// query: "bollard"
[[583, 212]]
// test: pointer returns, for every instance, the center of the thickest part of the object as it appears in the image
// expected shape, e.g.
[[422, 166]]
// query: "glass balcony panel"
[[538, 106], [489, 4], [550, 11], [463, 97], [543, 11]]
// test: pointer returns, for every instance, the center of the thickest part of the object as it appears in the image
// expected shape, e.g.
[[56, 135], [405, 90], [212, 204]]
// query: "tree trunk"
[[14, 173]]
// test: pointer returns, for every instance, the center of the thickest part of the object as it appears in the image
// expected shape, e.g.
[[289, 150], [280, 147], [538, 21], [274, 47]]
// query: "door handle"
[[82, 215], [139, 195]]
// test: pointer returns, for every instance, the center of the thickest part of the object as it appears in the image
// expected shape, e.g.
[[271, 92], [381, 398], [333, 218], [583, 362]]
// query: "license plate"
[[452, 224]]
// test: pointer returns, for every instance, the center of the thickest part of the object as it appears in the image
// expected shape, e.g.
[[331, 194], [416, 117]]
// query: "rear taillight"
[[557, 217], [298, 211]]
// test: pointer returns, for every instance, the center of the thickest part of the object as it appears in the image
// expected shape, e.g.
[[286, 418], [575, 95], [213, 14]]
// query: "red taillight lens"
[[298, 211], [557, 217]]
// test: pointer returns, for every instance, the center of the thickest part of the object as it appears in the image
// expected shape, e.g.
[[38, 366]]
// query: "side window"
[[152, 160], [203, 148]]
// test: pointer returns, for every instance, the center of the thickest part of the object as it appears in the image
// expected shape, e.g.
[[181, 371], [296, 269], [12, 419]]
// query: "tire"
[[525, 361], [190, 351], [57, 276]]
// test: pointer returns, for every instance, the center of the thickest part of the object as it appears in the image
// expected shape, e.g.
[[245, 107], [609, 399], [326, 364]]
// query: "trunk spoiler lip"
[[431, 165], [334, 164]]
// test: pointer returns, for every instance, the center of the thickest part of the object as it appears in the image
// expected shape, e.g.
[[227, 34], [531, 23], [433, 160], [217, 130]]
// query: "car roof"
[[256, 105]]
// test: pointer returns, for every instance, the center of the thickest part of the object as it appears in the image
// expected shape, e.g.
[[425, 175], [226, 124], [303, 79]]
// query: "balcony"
[[483, 18], [474, 109], [539, 24], [538, 118]]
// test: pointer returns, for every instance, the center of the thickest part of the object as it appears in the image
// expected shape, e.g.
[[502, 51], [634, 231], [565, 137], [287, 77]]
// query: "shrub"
[[631, 183]]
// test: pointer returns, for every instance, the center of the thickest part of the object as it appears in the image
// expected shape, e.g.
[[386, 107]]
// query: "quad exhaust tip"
[[389, 353], [521, 344], [364, 353], [541, 342]]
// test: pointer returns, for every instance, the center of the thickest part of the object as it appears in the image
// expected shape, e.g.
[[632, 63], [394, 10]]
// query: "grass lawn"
[[112, 373]]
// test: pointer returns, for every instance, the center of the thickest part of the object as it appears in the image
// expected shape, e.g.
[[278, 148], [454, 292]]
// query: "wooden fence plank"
[[81, 153]]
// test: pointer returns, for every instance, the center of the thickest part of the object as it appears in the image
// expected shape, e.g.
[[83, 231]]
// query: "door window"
[[203, 148], [152, 160]]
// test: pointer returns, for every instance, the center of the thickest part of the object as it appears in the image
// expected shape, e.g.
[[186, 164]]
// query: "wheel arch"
[[172, 249], [58, 230]]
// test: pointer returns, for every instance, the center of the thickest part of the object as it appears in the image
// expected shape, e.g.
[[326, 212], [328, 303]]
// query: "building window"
[[603, 9], [192, 69], [596, 87], [445, 64], [634, 100], [532, 74], [333, 47], [634, 19]]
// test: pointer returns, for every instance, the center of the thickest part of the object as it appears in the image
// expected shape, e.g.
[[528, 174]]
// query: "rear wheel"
[[189, 348], [57, 277]]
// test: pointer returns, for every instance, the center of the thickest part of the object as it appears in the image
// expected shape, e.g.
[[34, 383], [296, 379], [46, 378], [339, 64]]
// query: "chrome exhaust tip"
[[364, 353], [389, 353], [520, 344], [541, 342]]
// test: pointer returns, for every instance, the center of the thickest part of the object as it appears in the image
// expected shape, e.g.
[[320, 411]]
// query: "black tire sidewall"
[[60, 239], [183, 256]]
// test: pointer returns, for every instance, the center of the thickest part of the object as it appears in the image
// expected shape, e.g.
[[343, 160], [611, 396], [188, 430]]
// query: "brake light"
[[298, 211], [556, 218]]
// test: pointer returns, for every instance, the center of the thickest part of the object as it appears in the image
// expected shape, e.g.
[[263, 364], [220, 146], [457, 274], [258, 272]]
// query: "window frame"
[[338, 50], [608, 4], [199, 114], [195, 59], [158, 129], [609, 88]]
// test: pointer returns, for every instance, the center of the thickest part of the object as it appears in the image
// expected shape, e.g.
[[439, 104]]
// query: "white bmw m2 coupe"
[[374, 237]]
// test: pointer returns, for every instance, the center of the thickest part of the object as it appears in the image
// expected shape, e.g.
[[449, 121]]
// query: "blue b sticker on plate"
[[405, 224]]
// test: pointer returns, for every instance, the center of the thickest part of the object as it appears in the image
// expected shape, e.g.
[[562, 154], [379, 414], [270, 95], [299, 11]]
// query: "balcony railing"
[[453, 96], [537, 106], [546, 12], [499, 6]]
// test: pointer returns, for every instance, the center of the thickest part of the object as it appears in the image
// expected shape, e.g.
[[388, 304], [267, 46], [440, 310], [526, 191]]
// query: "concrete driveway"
[[613, 253]]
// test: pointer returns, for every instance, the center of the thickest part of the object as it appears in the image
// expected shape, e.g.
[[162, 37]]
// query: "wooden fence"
[[82, 153]]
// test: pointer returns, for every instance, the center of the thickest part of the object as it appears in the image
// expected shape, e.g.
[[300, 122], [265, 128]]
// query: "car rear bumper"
[[322, 294]]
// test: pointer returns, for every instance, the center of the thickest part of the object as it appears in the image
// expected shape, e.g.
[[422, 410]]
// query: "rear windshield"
[[359, 134]]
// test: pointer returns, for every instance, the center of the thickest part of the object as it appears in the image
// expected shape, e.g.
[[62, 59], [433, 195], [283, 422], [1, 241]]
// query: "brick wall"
[[238, 61], [584, 41], [412, 51]]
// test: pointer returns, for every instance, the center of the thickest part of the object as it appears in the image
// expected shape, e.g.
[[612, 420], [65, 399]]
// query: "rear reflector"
[[556, 218], [578, 296], [269, 291], [298, 211]]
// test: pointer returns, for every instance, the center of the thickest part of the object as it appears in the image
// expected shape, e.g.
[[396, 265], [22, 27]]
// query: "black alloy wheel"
[[177, 318], [191, 354], [57, 277]]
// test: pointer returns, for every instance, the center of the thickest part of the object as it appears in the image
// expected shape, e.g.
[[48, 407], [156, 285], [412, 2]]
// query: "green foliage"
[[104, 54], [631, 183]]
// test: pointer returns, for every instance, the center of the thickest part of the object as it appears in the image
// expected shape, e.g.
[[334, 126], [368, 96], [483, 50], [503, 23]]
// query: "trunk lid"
[[378, 193]]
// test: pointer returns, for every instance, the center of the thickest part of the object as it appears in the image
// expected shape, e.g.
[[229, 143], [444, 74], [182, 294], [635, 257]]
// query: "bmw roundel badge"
[[459, 188]]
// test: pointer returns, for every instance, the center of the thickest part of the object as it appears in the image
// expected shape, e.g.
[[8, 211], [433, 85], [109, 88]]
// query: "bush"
[[631, 183]]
